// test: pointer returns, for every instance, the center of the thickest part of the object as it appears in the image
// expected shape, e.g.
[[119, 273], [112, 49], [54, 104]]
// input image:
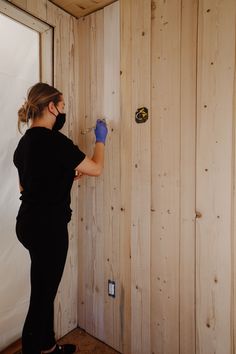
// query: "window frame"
[[45, 37]]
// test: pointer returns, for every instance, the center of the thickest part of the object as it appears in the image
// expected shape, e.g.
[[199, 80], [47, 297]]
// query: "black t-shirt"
[[46, 162]]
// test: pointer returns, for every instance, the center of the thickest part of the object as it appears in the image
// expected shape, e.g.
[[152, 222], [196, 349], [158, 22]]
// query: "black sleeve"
[[17, 156], [68, 154]]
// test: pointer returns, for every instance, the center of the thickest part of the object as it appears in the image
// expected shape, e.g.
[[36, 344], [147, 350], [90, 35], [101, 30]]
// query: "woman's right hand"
[[94, 166], [101, 131]]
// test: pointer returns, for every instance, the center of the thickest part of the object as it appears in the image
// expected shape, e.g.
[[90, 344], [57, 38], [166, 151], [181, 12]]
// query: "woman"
[[48, 163]]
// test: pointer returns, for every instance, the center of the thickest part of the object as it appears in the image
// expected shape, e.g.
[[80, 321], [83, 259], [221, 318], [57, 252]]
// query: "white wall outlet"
[[111, 288]]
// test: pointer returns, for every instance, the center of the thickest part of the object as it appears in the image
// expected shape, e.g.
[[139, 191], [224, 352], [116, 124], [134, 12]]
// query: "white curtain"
[[19, 69]]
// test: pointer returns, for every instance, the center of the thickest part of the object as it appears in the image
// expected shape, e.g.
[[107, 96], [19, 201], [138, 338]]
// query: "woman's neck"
[[43, 121]]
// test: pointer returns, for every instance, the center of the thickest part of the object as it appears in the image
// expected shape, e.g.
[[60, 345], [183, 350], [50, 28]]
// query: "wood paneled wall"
[[176, 178], [160, 220]]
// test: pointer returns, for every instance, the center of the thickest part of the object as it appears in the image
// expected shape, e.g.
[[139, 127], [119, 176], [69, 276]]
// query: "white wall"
[[19, 69]]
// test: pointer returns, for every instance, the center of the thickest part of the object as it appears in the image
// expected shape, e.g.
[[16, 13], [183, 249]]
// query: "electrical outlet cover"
[[111, 288]]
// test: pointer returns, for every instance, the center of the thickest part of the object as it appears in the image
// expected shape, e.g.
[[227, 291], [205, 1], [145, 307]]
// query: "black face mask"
[[60, 120]]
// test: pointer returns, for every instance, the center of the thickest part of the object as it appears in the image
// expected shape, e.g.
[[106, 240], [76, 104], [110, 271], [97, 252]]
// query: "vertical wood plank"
[[188, 175], [112, 206], [73, 133], [84, 112], [216, 63], [141, 179], [46, 58], [125, 173], [165, 242], [95, 207], [88, 104]]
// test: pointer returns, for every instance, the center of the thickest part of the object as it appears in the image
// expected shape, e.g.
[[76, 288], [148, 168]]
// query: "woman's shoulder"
[[48, 136], [44, 133], [61, 138]]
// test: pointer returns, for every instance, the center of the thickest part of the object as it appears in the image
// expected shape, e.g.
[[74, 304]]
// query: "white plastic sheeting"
[[19, 69]]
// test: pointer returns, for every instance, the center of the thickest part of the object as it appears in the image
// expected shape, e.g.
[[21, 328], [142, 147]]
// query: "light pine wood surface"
[[80, 8], [99, 236], [214, 174], [160, 220]]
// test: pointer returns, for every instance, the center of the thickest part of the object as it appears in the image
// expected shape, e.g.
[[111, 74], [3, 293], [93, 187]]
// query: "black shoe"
[[65, 348]]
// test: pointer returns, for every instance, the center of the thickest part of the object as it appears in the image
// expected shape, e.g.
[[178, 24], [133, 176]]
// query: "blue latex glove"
[[101, 131]]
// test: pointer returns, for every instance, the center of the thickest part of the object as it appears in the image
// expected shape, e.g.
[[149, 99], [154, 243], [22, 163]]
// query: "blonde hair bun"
[[38, 98]]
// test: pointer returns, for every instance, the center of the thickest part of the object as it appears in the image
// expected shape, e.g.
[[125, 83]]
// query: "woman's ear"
[[51, 107]]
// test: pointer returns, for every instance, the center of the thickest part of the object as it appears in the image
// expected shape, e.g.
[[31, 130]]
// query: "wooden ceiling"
[[79, 8]]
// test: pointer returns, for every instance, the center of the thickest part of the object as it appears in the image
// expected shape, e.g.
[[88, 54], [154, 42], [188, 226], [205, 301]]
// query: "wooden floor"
[[86, 344]]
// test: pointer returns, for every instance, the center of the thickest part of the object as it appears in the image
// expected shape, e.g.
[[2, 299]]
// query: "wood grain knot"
[[198, 214]]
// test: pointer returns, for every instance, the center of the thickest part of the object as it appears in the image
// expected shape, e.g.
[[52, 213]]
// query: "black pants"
[[46, 237]]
